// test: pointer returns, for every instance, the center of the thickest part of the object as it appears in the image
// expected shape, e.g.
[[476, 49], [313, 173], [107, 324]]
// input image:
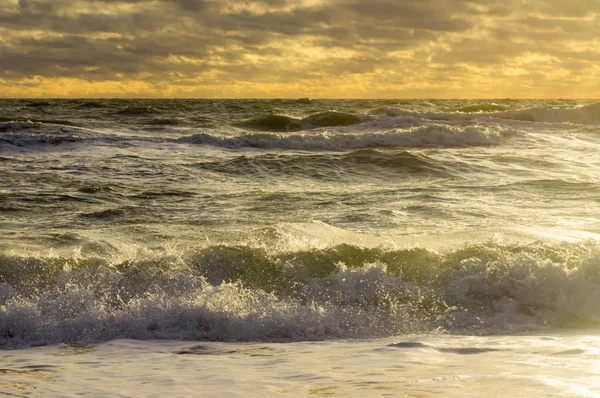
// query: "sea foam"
[[436, 135], [241, 293]]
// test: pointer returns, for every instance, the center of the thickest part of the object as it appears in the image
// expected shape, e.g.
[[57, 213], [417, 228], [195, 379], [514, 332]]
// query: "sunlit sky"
[[302, 48]]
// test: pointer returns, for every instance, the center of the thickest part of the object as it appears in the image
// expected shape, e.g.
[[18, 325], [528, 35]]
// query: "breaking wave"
[[441, 136], [390, 133], [32, 133], [235, 293], [17, 125]]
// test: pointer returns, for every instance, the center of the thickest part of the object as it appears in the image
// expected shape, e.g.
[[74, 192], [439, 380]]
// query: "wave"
[[91, 105], [33, 133], [281, 123], [589, 114], [164, 122], [328, 166], [137, 111], [394, 112], [391, 133], [273, 123], [437, 135], [14, 125], [452, 113], [20, 124], [38, 104], [487, 107], [332, 119], [242, 293]]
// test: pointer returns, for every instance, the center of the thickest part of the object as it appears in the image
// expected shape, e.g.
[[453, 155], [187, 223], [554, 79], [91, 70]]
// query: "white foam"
[[383, 134], [553, 365], [17, 125], [485, 289]]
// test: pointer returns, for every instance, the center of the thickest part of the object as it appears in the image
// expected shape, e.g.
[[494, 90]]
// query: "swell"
[[7, 125], [38, 104], [12, 123], [582, 114], [485, 107], [329, 166], [242, 293], [137, 111], [436, 135], [90, 105], [164, 122], [281, 123], [588, 114], [33, 133], [393, 132]]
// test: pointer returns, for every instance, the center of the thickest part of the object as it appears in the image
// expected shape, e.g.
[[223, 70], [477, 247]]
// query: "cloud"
[[318, 48]]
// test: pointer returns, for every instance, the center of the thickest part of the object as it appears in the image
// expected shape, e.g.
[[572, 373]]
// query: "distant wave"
[[35, 134], [393, 133], [589, 114], [393, 111], [281, 123], [91, 105], [486, 107], [137, 111], [17, 125], [38, 104], [22, 123], [332, 119], [30, 133], [240, 293], [164, 122], [328, 166], [442, 136]]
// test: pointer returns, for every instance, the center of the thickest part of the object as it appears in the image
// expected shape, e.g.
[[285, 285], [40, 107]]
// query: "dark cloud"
[[192, 5], [182, 40], [430, 15]]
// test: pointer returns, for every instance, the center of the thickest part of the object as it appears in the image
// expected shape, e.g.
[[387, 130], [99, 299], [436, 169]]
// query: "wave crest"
[[242, 293], [418, 137], [30, 134], [326, 166]]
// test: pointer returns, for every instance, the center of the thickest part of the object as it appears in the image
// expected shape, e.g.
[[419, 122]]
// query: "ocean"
[[300, 247]]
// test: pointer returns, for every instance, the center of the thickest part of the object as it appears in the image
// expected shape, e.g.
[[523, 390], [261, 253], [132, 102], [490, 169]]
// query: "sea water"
[[298, 247]]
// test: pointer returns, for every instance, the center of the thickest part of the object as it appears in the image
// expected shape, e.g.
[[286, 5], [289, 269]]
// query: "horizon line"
[[309, 98]]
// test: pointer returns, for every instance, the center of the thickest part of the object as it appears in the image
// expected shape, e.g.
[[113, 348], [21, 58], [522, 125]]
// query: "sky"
[[300, 48]]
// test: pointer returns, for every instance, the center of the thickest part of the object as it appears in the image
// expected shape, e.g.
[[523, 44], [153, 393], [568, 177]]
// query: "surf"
[[240, 293]]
